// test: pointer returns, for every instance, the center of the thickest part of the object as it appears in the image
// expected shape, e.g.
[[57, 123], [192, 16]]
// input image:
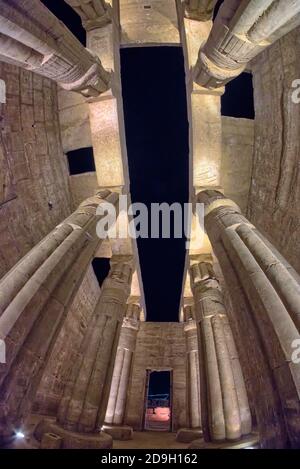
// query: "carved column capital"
[[200, 10], [34, 39], [132, 316], [190, 322], [240, 32], [116, 286], [202, 276], [93, 13]]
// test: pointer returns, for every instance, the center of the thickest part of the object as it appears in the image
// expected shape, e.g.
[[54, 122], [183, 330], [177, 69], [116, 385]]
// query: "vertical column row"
[[83, 406], [194, 430], [35, 297], [224, 397], [115, 414], [33, 38], [265, 292], [240, 32]]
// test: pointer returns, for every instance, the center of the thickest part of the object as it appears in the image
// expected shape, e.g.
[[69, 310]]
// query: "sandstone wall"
[[66, 348], [34, 188], [274, 199], [83, 186], [150, 22], [74, 121], [237, 158], [35, 196], [160, 346]]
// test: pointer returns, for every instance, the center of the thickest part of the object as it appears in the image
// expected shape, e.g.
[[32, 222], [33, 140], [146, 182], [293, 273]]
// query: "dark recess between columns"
[[101, 268], [238, 99], [81, 161]]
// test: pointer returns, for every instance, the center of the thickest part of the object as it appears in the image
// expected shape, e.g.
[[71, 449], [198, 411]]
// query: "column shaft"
[[34, 306], [33, 38], [240, 32], [266, 296], [193, 371], [118, 393], [85, 399], [227, 408], [193, 430]]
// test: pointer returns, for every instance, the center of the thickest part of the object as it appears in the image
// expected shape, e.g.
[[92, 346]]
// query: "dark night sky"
[[159, 382], [157, 142]]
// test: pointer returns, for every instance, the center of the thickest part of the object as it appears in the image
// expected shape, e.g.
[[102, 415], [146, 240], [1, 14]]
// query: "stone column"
[[35, 297], [83, 406], [93, 13], [226, 413], [106, 113], [265, 292], [31, 37], [240, 32], [201, 10], [115, 413], [193, 431]]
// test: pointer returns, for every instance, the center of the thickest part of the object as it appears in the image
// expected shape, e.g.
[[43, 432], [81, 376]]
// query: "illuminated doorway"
[[158, 401]]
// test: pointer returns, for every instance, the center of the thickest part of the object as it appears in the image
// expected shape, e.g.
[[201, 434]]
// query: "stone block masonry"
[[34, 188]]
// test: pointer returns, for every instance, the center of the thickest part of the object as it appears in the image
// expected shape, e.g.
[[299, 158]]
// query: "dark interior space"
[[238, 99], [81, 161], [101, 268], [154, 95]]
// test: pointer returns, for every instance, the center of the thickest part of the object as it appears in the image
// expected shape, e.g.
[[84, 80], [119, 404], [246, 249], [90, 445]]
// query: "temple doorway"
[[158, 401]]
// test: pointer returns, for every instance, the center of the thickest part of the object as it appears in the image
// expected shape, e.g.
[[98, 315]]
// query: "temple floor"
[[141, 440], [151, 440]]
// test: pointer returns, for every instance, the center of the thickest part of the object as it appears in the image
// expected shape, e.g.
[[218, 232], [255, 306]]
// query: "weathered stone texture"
[[83, 186], [34, 192], [66, 348], [160, 346], [74, 121], [261, 284], [237, 157], [275, 186], [154, 21]]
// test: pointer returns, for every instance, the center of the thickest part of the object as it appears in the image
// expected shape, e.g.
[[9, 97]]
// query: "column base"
[[122, 433], [249, 441], [187, 435], [72, 440]]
